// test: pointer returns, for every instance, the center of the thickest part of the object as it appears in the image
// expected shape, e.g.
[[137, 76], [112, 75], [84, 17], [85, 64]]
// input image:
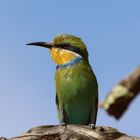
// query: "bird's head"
[[65, 48]]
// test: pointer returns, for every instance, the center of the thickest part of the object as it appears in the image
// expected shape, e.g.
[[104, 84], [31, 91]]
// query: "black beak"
[[42, 44]]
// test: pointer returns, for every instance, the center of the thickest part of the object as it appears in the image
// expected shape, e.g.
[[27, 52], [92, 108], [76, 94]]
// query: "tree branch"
[[72, 132], [122, 95]]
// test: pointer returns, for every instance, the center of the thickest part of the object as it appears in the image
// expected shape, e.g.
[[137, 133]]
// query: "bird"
[[76, 83]]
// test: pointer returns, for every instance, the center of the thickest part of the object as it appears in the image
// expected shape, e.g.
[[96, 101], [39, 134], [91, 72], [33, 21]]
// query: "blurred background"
[[111, 31]]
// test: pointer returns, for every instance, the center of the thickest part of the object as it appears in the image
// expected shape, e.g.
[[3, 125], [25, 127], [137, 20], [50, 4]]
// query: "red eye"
[[66, 46]]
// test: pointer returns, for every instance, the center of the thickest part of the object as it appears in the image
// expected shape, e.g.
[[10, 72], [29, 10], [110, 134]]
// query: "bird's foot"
[[92, 126], [63, 124]]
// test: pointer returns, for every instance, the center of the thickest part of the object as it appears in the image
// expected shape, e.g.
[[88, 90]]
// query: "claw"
[[63, 124], [92, 126]]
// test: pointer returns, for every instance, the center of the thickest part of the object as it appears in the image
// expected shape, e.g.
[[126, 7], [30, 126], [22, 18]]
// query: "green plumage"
[[77, 94]]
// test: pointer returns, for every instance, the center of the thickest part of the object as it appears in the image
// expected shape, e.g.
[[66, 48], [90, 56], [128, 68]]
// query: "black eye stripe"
[[76, 50], [70, 47], [63, 46]]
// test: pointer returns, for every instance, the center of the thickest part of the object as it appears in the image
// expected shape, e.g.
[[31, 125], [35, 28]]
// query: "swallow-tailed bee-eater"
[[76, 84]]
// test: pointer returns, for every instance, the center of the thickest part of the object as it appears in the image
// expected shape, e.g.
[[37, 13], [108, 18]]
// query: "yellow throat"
[[61, 56]]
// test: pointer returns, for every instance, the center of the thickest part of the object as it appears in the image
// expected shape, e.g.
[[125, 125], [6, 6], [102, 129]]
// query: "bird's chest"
[[64, 78], [70, 85]]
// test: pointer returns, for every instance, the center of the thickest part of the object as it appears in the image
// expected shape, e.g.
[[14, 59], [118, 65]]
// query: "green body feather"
[[77, 94]]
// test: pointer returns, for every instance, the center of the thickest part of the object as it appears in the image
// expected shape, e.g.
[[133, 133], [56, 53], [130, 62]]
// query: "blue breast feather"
[[70, 63]]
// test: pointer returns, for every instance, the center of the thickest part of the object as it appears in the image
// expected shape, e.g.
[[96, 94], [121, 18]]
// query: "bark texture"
[[118, 100], [72, 132]]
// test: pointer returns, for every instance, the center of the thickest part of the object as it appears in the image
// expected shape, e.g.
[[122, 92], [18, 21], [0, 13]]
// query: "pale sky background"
[[111, 30]]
